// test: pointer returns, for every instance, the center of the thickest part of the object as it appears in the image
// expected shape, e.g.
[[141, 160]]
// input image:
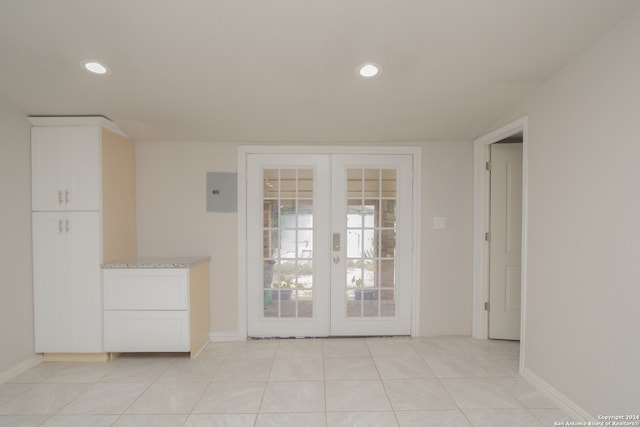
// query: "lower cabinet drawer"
[[151, 331], [146, 289]]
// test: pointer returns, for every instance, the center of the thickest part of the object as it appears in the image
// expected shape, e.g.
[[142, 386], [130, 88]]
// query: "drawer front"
[[145, 289], [134, 331]]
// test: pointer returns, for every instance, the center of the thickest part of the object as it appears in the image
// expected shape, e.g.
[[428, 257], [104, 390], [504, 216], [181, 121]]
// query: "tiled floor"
[[448, 381]]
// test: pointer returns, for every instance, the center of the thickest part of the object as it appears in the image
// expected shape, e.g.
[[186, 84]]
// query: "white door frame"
[[244, 150], [481, 203]]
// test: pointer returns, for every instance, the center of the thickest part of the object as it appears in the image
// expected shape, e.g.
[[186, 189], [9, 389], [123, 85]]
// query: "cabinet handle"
[[59, 197], [66, 197], [59, 226], [66, 225]]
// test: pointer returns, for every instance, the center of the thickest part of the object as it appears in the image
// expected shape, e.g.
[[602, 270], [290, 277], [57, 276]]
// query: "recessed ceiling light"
[[96, 67], [369, 70]]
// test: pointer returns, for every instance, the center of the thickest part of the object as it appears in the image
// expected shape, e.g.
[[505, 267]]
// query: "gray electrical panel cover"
[[222, 192]]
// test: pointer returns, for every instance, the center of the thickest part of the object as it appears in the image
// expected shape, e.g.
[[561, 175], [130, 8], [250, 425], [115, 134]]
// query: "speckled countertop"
[[156, 262]]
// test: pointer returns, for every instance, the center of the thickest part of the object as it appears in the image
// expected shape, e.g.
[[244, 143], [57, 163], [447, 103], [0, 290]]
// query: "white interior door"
[[329, 244], [505, 245]]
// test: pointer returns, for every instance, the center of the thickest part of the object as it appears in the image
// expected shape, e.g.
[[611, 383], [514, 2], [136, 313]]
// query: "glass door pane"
[[371, 242], [288, 243]]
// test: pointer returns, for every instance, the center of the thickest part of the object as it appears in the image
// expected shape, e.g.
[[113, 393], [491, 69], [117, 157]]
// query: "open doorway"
[[514, 132]]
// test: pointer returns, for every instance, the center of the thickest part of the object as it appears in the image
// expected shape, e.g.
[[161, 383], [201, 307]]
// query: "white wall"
[[447, 255], [172, 220], [16, 288], [583, 299]]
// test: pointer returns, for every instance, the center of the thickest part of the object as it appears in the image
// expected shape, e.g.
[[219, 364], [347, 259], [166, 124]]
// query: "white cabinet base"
[[77, 357], [140, 331], [150, 307]]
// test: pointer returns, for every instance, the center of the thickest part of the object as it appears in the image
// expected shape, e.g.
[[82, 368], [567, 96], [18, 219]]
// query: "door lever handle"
[[336, 241]]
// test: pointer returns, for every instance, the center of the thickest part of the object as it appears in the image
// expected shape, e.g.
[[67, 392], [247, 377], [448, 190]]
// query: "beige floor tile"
[[201, 369], [550, 417], [44, 398], [454, 367], [106, 398], [231, 397], [402, 368], [501, 418], [361, 419], [293, 396], [350, 368], [89, 372], [300, 348], [81, 421], [297, 370], [244, 370], [22, 420], [343, 347], [10, 391], [526, 394], [445, 418], [291, 420], [254, 349], [391, 347], [437, 347], [330, 382], [168, 398], [417, 394], [39, 373], [476, 393], [150, 421], [220, 420], [356, 396]]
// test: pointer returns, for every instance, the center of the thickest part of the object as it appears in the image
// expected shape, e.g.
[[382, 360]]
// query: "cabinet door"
[[67, 291], [66, 168]]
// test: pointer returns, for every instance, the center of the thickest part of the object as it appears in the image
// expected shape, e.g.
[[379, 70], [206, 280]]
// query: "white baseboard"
[[563, 402], [224, 336], [21, 367]]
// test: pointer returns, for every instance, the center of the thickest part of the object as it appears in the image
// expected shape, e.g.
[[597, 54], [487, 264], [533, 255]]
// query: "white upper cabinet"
[[66, 168]]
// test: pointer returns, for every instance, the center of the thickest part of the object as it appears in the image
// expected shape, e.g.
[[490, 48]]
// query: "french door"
[[329, 244]]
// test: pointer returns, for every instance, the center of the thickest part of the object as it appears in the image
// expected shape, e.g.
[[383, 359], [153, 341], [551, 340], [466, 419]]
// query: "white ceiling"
[[284, 70]]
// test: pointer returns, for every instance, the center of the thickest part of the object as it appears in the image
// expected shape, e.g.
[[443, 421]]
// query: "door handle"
[[66, 197], [59, 226], [336, 241], [59, 197], [336, 259], [66, 225]]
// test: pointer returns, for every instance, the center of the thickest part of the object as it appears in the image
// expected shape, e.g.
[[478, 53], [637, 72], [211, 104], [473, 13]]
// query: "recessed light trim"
[[369, 70], [96, 67]]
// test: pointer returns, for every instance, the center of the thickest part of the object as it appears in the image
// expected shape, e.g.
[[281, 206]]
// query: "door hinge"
[[487, 306], [487, 236], [487, 166]]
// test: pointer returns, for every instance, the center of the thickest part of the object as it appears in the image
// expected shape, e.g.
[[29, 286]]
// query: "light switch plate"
[[439, 223]]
